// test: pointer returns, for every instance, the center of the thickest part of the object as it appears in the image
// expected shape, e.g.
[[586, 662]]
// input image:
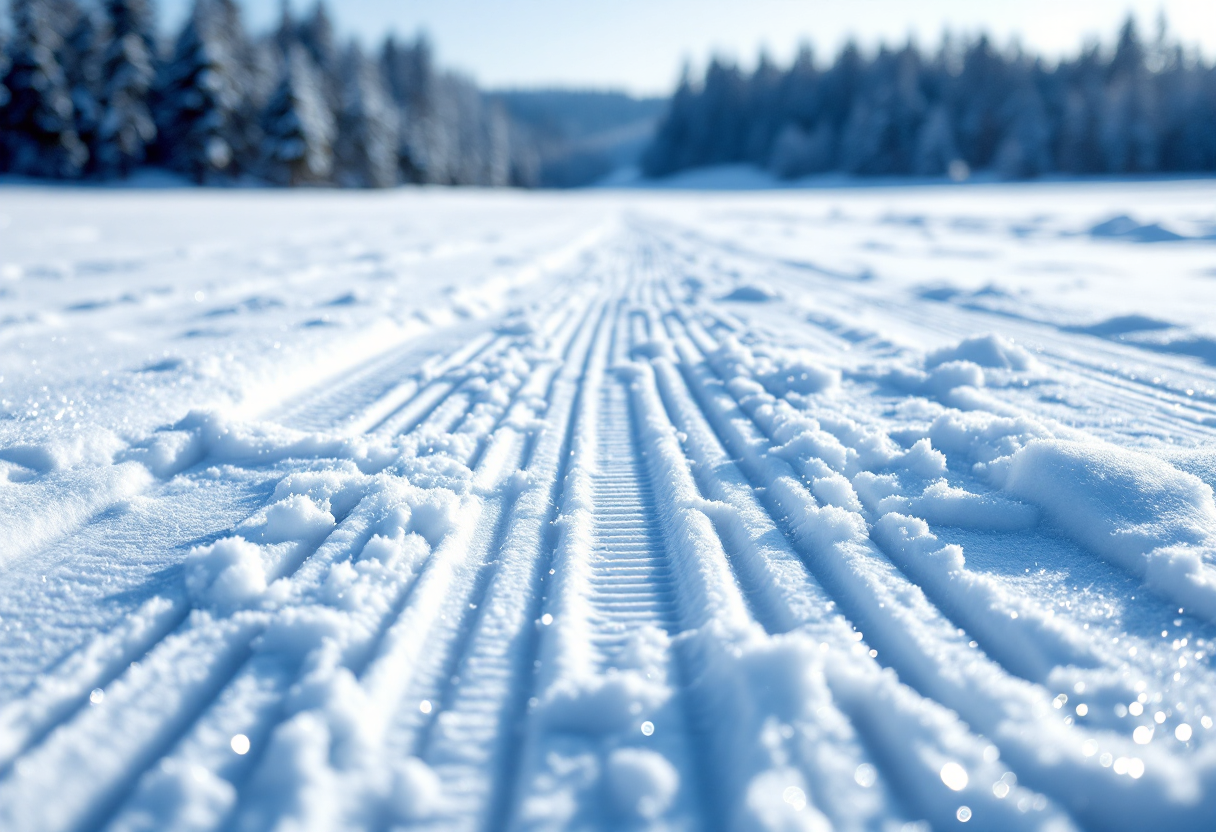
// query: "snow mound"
[[752, 293], [1124, 227], [417, 791], [214, 436], [781, 370], [945, 505], [940, 381], [227, 574], [1122, 325], [796, 371], [603, 705], [642, 784], [86, 447], [951, 374], [1130, 508], [296, 518], [179, 795], [991, 351]]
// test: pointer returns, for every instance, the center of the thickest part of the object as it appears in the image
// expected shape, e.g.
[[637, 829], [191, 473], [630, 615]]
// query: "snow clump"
[[182, 796], [228, 574], [991, 351], [642, 784]]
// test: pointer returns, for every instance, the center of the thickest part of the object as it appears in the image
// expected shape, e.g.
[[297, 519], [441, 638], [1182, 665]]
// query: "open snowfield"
[[859, 509]]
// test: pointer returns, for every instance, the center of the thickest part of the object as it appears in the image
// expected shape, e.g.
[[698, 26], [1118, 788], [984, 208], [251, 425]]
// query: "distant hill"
[[579, 137]]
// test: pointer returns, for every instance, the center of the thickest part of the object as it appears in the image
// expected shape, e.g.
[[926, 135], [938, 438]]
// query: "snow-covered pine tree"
[[253, 76], [200, 98], [3, 73], [1025, 150], [366, 149], [798, 152], [1128, 115], [936, 148], [82, 66], [297, 148], [669, 149], [37, 123], [316, 34], [127, 128], [409, 73]]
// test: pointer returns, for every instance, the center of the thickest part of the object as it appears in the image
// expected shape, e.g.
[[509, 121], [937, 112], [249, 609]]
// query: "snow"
[[841, 508]]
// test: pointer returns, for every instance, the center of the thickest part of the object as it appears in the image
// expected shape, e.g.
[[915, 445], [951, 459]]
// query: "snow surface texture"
[[842, 509]]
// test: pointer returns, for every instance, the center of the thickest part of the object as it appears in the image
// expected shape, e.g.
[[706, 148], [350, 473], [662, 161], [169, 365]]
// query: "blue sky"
[[640, 45]]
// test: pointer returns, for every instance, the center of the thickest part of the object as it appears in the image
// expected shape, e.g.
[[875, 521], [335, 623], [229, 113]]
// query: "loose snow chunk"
[[939, 381], [835, 490], [603, 705], [641, 783], [296, 518], [1133, 509], [296, 631], [752, 293], [797, 371], [178, 795], [911, 536], [983, 437], [228, 574], [777, 801], [922, 459], [435, 516], [168, 453], [944, 505], [417, 791], [874, 488], [990, 351], [951, 374], [653, 349], [294, 786], [222, 439], [340, 488]]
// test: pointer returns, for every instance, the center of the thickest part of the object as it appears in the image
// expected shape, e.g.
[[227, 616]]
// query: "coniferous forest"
[[92, 90], [1139, 107]]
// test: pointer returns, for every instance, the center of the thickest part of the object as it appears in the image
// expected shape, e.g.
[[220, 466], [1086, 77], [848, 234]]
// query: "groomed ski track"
[[658, 527]]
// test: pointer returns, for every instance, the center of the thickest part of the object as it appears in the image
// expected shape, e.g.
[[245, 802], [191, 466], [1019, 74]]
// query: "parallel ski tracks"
[[624, 507], [696, 344], [1077, 361], [233, 679]]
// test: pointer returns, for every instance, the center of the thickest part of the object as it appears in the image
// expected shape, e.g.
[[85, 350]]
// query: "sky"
[[639, 46]]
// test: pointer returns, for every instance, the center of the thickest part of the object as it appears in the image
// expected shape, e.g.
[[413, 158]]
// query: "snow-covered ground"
[[833, 509]]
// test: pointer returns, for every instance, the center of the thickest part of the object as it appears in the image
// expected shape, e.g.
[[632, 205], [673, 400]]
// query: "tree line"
[[1141, 107], [90, 91]]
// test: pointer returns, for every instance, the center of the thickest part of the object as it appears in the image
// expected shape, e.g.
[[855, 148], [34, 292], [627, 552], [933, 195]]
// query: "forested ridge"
[[1139, 106], [92, 91]]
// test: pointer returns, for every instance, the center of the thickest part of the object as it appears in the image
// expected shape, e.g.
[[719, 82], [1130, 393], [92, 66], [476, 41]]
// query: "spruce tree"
[[127, 128], [366, 151], [37, 124], [299, 128], [409, 72], [198, 117], [316, 34], [82, 65]]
